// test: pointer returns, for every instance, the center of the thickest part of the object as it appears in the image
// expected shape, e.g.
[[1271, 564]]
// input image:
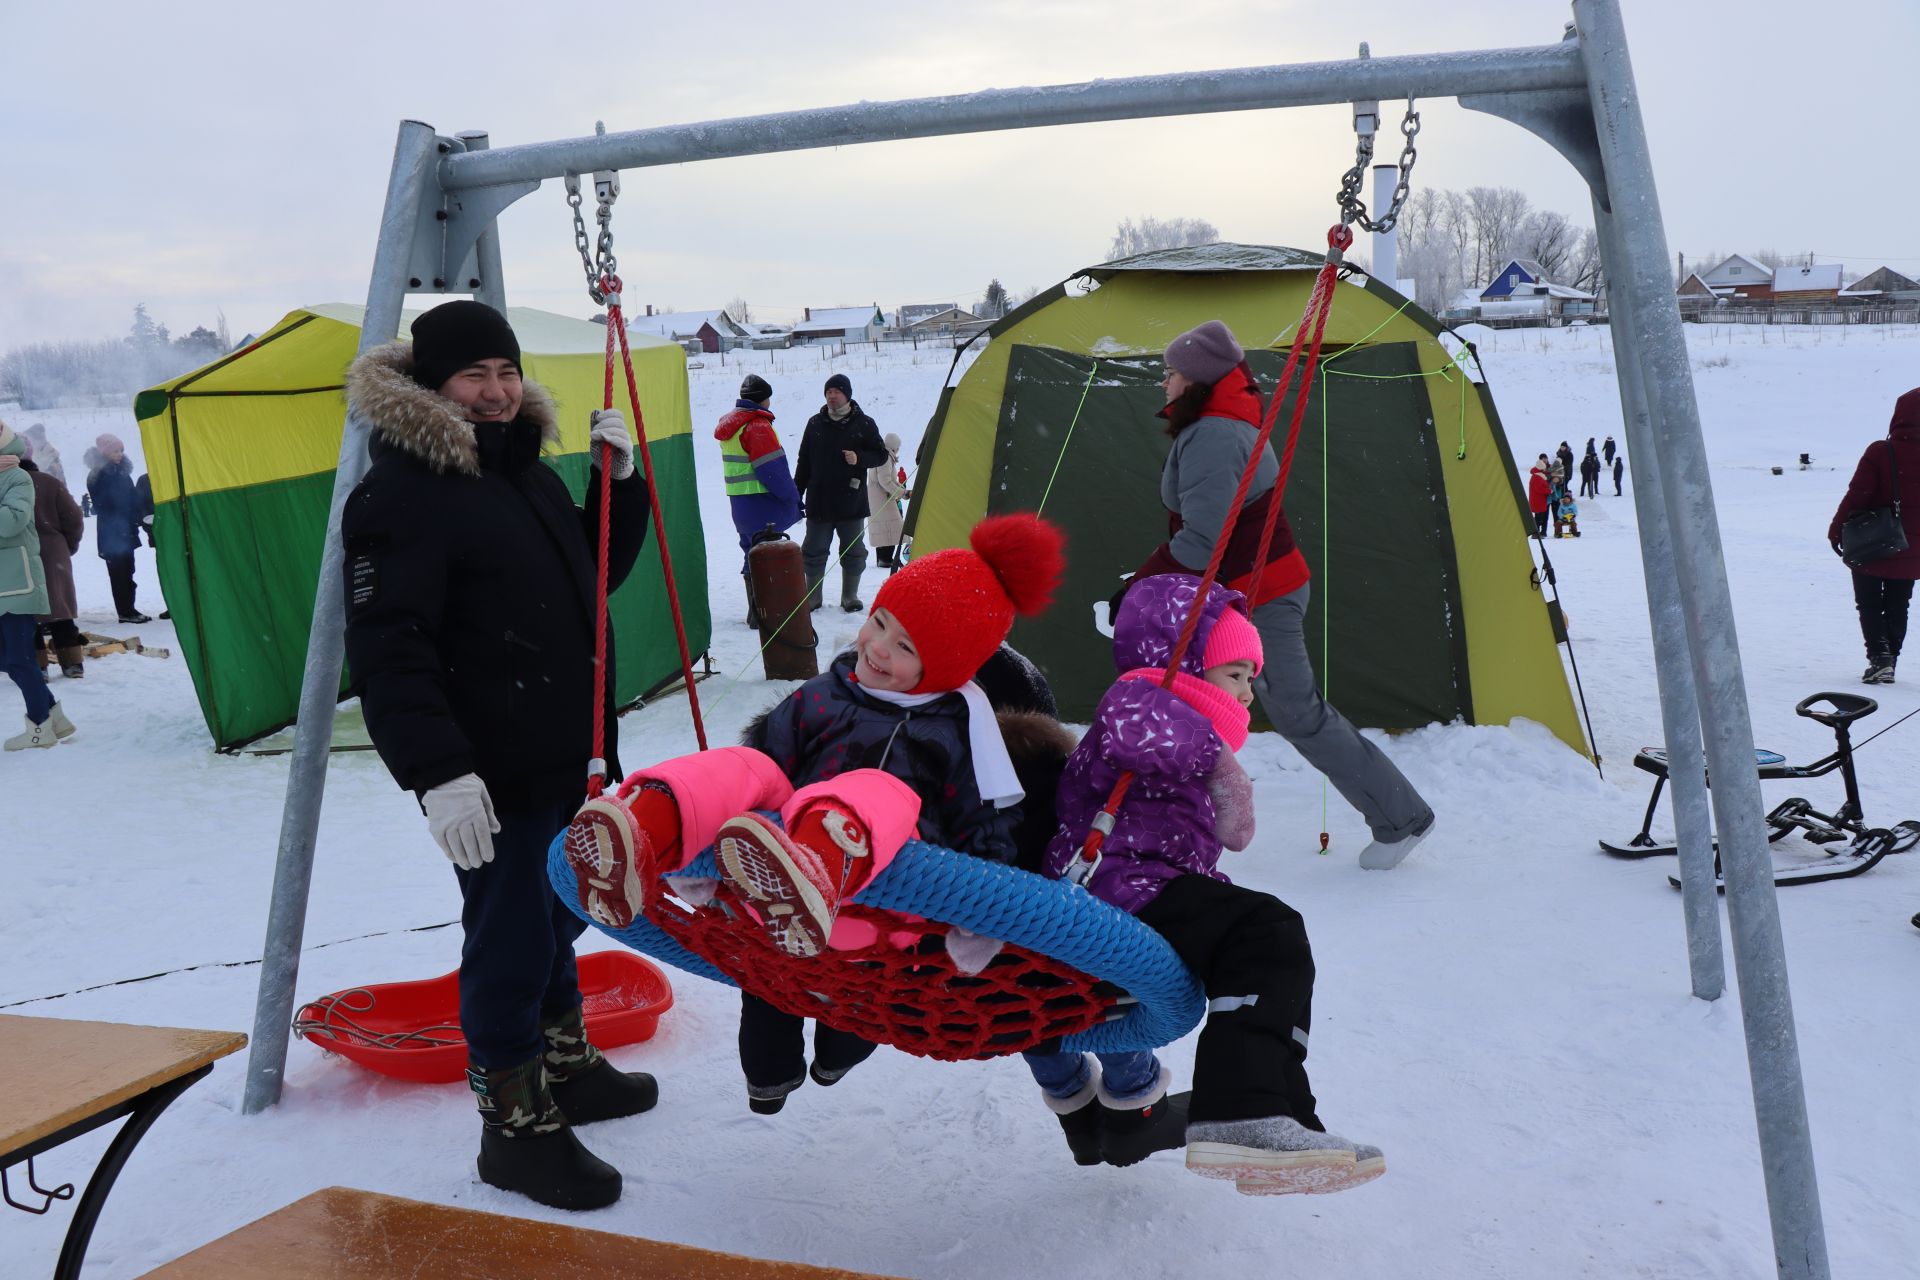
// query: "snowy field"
[[1508, 1014]]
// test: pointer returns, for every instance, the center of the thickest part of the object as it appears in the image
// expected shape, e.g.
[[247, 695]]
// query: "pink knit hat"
[[107, 442], [1233, 639]]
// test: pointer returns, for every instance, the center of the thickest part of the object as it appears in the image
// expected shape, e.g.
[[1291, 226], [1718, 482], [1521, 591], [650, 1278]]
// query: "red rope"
[[1313, 321], [913, 999], [616, 324]]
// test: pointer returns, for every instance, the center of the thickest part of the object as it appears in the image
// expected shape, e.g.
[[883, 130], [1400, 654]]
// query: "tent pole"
[[1642, 284], [1679, 706], [415, 156], [493, 283]]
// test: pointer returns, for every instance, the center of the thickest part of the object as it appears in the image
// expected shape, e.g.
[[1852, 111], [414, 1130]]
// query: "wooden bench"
[[66, 1077], [342, 1234]]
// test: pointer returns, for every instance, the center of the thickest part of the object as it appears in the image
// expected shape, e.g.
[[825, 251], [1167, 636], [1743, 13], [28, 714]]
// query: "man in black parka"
[[840, 444], [470, 641]]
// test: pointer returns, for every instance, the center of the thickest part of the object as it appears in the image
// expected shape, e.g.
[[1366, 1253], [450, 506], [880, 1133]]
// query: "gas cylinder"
[[777, 595]]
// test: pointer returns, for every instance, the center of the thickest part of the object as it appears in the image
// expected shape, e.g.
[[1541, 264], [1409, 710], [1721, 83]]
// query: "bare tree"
[[1549, 238], [1584, 268], [1148, 234], [1497, 215], [740, 311]]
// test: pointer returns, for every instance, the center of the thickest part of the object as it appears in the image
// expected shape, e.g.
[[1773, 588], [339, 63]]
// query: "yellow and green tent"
[[241, 454], [1403, 493]]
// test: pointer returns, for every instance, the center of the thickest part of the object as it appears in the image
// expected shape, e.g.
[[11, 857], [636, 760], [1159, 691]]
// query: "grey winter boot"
[[850, 591], [527, 1147], [1277, 1155], [814, 592]]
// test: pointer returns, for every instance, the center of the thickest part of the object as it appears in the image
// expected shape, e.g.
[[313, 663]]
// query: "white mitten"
[[971, 952], [1232, 792], [460, 816], [609, 427], [695, 891]]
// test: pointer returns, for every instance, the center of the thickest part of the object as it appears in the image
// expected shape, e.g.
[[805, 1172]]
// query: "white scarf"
[[993, 773]]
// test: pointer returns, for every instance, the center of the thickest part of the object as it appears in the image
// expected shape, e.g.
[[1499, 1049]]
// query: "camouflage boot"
[[584, 1084], [527, 1147]]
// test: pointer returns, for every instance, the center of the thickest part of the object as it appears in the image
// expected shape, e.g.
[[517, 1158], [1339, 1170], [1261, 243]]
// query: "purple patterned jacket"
[[1168, 826]]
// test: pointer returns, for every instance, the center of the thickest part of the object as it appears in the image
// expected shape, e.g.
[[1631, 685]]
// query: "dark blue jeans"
[[516, 966], [16, 658], [1125, 1075]]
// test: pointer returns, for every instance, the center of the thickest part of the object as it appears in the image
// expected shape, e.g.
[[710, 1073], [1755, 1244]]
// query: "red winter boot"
[[613, 845], [795, 879]]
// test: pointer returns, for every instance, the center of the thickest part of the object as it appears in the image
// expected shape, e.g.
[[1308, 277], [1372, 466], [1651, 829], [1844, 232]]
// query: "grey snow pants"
[[1358, 769]]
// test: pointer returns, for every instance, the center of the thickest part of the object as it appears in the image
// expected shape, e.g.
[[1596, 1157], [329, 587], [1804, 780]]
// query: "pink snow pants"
[[711, 787]]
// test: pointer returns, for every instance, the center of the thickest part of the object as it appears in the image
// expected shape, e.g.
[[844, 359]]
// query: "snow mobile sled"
[[1863, 846]]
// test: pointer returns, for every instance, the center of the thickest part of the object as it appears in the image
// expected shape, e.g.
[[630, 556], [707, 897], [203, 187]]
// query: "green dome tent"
[[1403, 494], [242, 454]]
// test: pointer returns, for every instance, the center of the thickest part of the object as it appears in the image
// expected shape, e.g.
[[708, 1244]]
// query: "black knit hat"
[[756, 388], [456, 334], [840, 381]]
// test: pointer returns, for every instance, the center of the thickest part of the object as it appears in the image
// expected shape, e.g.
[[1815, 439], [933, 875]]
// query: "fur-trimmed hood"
[[381, 389]]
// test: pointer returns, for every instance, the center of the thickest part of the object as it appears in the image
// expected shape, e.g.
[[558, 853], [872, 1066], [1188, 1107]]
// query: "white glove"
[[610, 428], [460, 816], [971, 952]]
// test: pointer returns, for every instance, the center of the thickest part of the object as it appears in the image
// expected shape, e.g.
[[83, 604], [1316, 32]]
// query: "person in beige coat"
[[886, 488]]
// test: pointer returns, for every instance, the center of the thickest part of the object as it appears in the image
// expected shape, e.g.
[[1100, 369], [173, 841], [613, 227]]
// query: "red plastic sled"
[[411, 1030]]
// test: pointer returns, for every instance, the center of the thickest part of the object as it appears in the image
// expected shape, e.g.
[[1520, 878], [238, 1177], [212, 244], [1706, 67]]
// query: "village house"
[[711, 331], [839, 324], [1815, 282], [1740, 278], [1522, 289]]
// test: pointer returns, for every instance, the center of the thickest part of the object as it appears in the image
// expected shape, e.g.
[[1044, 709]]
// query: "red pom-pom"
[[1027, 554]]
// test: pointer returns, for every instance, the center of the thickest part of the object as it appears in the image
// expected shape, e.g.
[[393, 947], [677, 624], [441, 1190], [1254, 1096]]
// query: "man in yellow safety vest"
[[760, 486]]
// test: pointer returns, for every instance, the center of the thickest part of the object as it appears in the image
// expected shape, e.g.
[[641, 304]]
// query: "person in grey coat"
[[1213, 412]]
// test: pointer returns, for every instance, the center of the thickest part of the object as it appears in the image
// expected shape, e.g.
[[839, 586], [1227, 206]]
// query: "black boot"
[[585, 1086], [1079, 1117], [1130, 1135], [527, 1147], [850, 601]]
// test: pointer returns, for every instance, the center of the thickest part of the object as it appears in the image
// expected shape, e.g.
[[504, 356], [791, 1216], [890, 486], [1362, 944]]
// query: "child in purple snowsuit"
[[1251, 1115]]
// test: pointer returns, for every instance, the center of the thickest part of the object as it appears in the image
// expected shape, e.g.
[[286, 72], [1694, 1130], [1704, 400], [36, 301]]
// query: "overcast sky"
[[203, 157]]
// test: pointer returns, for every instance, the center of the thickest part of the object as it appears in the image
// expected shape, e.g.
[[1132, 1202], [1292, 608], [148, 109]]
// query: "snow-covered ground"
[[1508, 1014]]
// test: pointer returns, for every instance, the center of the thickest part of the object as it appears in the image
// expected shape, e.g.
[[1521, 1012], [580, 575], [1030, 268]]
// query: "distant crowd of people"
[[1553, 507], [41, 530]]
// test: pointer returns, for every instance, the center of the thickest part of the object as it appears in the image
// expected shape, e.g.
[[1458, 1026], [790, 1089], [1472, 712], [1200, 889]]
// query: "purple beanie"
[[1207, 353]]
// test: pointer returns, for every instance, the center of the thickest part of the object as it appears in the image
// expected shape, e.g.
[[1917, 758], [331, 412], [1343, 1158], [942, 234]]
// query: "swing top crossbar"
[[1306, 84]]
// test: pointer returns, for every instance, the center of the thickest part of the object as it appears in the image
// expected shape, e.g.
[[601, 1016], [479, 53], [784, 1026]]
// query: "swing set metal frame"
[[438, 235]]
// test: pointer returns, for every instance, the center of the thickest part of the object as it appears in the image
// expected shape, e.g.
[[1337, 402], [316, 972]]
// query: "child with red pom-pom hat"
[[895, 741]]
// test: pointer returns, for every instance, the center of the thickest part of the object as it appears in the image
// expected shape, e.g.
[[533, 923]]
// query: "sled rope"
[[1313, 322]]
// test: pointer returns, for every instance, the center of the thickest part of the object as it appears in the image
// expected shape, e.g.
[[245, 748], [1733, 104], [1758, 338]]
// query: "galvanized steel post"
[[1679, 708], [493, 284], [414, 158], [1642, 283]]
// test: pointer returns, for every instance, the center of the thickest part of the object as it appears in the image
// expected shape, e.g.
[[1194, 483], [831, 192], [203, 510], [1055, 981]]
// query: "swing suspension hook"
[[596, 257], [1352, 208]]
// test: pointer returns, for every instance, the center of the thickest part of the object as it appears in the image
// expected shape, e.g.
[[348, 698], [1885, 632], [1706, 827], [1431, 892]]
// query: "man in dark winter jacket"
[[470, 637], [840, 444], [116, 510], [760, 488]]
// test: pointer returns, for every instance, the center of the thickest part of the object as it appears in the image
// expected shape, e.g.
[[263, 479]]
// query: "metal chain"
[[596, 258], [1353, 210]]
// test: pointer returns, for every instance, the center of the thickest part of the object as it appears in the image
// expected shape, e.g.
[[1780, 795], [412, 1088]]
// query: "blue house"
[[1522, 288]]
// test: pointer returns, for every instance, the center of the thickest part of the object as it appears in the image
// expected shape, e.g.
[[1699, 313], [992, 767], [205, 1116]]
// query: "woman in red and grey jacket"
[[1539, 491], [1882, 589], [1213, 412]]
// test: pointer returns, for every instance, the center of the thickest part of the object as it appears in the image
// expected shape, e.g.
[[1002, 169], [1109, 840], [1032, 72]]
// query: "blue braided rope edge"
[[1050, 917]]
